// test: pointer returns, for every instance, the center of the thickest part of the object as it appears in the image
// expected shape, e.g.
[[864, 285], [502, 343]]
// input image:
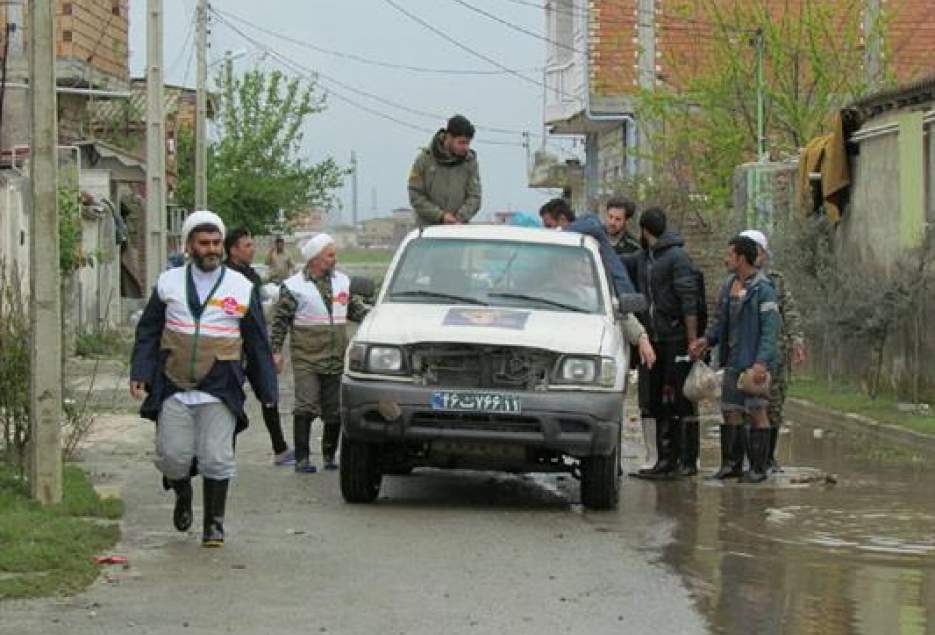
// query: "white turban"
[[758, 237], [315, 245], [201, 217]]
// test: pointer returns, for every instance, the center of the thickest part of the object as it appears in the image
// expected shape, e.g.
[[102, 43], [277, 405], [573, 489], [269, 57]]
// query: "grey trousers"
[[205, 431]]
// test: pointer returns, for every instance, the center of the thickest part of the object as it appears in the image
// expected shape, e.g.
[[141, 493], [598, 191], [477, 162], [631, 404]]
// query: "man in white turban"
[[202, 322], [314, 307]]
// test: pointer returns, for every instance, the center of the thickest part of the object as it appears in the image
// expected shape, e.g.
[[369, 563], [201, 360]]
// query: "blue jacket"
[[759, 324], [225, 379], [590, 225]]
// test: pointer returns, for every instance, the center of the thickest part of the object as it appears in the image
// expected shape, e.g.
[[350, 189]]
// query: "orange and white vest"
[[316, 334], [195, 344]]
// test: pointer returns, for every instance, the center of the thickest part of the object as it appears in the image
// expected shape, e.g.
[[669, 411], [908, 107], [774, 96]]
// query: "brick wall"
[[613, 33], [684, 32], [911, 37]]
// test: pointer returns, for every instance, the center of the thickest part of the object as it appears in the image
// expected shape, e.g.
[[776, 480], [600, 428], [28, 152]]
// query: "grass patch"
[[48, 550], [107, 344], [850, 399], [357, 256]]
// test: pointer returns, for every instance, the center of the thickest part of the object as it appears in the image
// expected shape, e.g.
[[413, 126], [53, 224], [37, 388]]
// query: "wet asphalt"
[[468, 552]]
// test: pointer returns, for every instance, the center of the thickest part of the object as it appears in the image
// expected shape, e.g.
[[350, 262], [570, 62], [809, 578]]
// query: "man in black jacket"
[[241, 250], [665, 275]]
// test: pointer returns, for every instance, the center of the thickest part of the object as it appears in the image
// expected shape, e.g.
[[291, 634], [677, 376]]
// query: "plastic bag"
[[702, 383]]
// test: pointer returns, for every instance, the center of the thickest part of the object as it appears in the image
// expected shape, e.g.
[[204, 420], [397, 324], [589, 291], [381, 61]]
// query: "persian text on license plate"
[[476, 402]]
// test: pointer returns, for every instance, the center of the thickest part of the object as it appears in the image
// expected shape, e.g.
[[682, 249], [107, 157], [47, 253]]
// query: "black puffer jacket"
[[666, 276]]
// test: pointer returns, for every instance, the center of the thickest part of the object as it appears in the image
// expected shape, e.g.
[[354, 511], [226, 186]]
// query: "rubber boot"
[[758, 454], [330, 435], [669, 451], [658, 432], [182, 513], [215, 500], [772, 465], [649, 440], [301, 432], [732, 451], [691, 446]]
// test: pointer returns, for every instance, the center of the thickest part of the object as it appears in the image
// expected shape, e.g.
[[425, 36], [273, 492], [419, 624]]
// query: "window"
[[561, 15], [66, 8], [66, 36], [115, 7], [497, 273]]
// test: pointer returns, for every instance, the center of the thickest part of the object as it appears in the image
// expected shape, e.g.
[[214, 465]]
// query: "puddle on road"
[[856, 557]]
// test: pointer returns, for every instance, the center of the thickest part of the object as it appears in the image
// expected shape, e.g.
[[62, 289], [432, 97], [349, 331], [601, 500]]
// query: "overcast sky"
[[374, 29]]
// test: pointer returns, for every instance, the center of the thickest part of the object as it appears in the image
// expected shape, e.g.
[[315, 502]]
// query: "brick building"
[[602, 52]]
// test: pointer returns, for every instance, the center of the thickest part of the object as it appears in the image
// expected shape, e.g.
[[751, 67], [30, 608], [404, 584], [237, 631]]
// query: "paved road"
[[439, 552]]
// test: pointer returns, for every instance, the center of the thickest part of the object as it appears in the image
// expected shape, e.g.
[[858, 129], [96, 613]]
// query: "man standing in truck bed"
[[444, 182]]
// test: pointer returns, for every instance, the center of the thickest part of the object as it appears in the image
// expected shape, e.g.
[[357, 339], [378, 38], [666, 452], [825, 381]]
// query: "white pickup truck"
[[488, 347]]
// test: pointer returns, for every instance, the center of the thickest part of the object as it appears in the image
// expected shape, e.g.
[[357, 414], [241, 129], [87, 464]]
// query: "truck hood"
[[558, 331]]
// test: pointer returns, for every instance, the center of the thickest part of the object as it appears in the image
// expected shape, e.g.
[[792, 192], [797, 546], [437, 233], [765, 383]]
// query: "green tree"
[[705, 125], [255, 168]]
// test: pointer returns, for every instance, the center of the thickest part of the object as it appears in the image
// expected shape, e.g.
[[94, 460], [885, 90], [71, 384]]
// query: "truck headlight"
[[578, 370], [384, 359]]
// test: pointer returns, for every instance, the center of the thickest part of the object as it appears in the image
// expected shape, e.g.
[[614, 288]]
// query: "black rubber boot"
[[330, 435], [758, 453], [660, 458], [669, 451], [182, 514], [301, 431], [215, 500], [772, 465], [691, 446], [732, 451]]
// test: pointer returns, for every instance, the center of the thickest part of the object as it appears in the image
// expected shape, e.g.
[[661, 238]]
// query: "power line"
[[468, 49], [312, 74], [358, 58], [516, 27], [185, 45], [414, 111]]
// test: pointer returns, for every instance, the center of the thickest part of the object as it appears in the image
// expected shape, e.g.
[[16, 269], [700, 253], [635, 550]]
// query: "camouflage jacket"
[[324, 351], [792, 331]]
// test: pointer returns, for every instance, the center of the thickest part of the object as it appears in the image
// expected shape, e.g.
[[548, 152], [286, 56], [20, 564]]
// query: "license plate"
[[476, 402]]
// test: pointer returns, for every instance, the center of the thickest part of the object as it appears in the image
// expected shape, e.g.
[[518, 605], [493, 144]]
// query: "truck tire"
[[360, 471], [600, 481]]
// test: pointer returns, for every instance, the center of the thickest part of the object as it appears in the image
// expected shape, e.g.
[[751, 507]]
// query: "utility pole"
[[760, 43], [646, 77], [354, 188], [873, 43], [201, 117], [45, 386], [155, 146]]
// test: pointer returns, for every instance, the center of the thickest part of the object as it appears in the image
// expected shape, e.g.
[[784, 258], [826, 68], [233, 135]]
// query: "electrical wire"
[[379, 98], [313, 75], [188, 41], [358, 58], [516, 27], [468, 49]]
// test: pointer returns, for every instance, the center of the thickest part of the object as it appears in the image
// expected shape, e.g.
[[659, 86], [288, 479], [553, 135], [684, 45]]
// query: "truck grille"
[[463, 366]]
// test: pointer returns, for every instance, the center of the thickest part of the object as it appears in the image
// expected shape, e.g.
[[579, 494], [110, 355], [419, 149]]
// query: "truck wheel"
[[600, 481], [360, 471]]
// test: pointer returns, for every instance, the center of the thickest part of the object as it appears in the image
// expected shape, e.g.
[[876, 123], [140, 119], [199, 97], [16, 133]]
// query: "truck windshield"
[[497, 273]]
